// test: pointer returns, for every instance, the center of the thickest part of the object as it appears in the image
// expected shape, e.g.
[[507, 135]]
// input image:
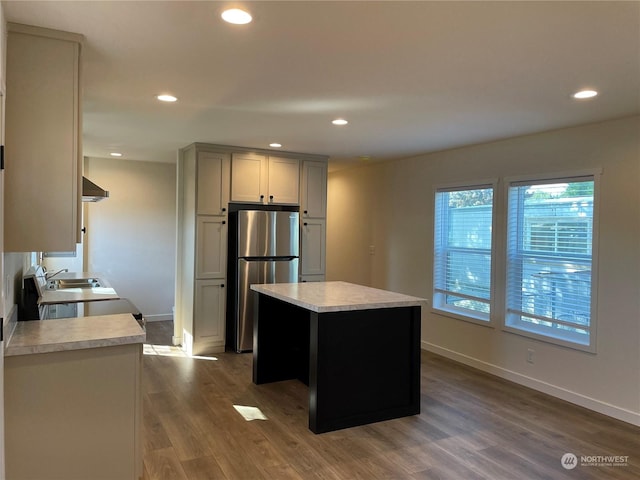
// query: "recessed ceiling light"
[[166, 98], [115, 154], [585, 94], [339, 121], [236, 16], [275, 145]]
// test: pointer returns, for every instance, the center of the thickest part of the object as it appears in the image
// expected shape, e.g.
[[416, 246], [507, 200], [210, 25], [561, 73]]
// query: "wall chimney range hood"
[[92, 192]]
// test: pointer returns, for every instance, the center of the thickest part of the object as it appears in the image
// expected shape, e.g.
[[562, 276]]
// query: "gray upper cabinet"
[[43, 155], [212, 183], [248, 177], [313, 203], [283, 181], [269, 180]]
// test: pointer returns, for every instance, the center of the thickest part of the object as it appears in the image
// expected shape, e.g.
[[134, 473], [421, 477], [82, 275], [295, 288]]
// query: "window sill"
[[478, 320], [530, 333]]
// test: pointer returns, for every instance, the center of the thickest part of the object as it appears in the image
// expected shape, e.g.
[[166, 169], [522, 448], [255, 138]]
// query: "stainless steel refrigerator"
[[267, 252]]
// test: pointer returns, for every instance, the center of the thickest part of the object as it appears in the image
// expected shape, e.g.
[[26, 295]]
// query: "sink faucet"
[[49, 276]]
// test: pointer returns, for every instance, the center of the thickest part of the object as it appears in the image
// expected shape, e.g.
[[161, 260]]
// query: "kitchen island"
[[73, 398], [356, 347]]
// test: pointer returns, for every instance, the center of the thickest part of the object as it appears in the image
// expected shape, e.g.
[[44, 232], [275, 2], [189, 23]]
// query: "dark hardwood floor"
[[159, 333], [472, 426]]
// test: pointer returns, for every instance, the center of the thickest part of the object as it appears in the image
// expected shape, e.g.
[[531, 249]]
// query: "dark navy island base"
[[362, 365]]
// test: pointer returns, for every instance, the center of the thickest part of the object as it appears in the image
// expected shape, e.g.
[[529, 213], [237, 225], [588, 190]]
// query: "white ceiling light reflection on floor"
[[250, 413]]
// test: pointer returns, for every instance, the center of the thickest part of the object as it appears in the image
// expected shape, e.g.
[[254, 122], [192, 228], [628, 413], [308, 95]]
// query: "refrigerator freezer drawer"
[[252, 272]]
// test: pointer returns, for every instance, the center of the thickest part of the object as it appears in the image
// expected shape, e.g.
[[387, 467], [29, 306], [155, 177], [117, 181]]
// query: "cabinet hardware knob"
[[305, 224], [261, 197], [223, 222], [222, 285], [270, 197], [224, 209], [305, 212], [84, 230]]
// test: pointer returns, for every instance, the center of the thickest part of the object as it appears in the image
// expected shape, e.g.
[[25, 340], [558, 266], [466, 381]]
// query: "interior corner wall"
[[351, 210], [607, 381], [131, 235]]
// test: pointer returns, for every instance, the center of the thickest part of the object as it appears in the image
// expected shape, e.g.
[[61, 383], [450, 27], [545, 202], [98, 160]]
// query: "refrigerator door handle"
[[269, 259]]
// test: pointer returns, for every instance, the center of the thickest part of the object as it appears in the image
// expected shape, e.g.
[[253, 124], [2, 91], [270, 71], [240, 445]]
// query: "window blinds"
[[549, 258]]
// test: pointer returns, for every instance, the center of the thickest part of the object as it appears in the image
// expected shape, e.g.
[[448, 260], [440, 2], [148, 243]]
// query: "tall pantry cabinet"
[[212, 179], [201, 269]]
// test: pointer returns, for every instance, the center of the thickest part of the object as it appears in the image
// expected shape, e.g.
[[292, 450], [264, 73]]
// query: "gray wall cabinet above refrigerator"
[[265, 179]]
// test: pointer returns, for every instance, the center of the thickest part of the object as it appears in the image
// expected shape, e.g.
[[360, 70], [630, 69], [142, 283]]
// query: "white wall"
[[402, 222], [350, 213], [131, 235]]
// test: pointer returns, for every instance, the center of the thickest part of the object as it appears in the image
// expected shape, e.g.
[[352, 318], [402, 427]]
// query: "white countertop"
[[44, 336], [336, 296], [76, 295]]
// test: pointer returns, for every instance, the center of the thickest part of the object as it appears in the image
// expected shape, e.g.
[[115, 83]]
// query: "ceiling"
[[410, 77]]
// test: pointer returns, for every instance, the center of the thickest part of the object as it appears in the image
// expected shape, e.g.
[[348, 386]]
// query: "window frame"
[[537, 333], [440, 308]]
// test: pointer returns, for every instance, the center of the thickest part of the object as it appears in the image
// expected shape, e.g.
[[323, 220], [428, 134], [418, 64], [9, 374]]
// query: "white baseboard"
[[161, 317], [553, 390], [187, 342]]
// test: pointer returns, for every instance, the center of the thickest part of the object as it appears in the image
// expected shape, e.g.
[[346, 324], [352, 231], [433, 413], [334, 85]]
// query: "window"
[[544, 276], [550, 227], [462, 254]]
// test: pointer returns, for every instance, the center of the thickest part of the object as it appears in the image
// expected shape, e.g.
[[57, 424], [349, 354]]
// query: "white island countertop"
[[44, 336], [323, 297]]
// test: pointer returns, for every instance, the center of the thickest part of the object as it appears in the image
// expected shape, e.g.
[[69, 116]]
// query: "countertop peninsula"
[[336, 296], [45, 336], [73, 399]]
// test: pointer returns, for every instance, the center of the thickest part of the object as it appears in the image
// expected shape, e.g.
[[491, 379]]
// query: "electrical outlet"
[[531, 355]]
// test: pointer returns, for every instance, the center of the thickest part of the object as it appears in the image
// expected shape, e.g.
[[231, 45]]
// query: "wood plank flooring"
[[472, 426]]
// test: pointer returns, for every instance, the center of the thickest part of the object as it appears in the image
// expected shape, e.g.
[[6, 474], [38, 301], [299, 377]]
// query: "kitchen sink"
[[61, 284]]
